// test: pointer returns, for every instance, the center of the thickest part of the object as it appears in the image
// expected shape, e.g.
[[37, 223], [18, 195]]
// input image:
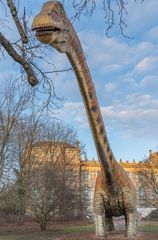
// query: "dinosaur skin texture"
[[114, 194]]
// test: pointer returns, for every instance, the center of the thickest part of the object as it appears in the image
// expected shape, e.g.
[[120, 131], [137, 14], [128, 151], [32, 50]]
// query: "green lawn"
[[148, 228]]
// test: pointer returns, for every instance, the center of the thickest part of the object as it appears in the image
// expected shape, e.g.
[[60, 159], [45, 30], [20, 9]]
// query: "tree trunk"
[[43, 224]]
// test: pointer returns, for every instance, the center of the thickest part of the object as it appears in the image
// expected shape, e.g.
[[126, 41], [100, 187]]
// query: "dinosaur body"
[[114, 194]]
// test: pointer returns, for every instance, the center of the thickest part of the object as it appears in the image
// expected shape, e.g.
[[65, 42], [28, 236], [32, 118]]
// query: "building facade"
[[135, 170], [85, 171]]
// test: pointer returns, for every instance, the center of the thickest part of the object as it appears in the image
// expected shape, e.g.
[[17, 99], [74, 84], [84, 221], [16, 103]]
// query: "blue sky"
[[125, 74]]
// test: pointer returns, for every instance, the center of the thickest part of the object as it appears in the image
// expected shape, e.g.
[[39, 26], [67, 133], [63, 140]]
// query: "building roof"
[[52, 143]]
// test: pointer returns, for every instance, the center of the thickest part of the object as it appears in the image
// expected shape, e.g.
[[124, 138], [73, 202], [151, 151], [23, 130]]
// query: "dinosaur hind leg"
[[131, 223], [109, 225]]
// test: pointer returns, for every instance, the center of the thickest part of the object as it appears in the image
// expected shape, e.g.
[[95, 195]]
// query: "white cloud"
[[150, 82], [74, 113], [110, 87], [103, 51], [136, 116], [147, 64], [112, 56], [141, 16]]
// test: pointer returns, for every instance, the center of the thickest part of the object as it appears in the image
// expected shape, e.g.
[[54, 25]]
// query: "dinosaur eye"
[[55, 16], [61, 10]]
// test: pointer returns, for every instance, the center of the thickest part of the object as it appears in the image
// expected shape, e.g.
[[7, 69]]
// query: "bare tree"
[[12, 104], [8, 204], [148, 180], [56, 177], [40, 160], [18, 130], [26, 134]]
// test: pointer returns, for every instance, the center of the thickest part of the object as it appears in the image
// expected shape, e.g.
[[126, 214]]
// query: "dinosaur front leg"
[[131, 223], [99, 215]]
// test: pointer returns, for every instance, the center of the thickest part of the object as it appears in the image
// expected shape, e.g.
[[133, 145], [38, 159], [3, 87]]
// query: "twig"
[[59, 71]]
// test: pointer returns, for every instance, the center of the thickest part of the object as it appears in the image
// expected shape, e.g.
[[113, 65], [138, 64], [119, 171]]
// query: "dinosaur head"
[[52, 26]]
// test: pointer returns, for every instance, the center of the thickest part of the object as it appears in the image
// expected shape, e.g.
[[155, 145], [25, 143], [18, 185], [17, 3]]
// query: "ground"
[[73, 231]]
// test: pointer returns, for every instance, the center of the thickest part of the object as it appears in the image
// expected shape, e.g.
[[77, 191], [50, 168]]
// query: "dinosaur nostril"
[[55, 16]]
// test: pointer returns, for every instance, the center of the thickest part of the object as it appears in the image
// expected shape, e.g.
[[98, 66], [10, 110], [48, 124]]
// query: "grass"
[[11, 234], [8, 238], [148, 228], [46, 235], [151, 227], [78, 229]]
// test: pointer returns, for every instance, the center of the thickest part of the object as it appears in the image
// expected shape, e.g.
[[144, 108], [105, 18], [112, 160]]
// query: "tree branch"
[[14, 14], [32, 79]]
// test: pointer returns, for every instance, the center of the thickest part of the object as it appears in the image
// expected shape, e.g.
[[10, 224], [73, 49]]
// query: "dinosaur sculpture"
[[114, 194]]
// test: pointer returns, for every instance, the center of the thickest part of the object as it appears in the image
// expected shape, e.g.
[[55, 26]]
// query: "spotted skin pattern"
[[114, 194]]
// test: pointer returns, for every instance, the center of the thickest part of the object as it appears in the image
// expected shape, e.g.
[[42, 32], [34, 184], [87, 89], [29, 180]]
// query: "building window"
[[140, 177], [85, 175], [141, 193], [86, 194]]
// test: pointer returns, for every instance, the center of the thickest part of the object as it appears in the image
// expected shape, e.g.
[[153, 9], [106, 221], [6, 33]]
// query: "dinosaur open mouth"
[[46, 30]]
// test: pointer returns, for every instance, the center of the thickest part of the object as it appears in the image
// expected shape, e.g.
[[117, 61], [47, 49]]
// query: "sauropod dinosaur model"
[[114, 194]]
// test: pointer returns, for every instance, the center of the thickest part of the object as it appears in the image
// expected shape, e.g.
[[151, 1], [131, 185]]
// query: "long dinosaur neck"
[[87, 89]]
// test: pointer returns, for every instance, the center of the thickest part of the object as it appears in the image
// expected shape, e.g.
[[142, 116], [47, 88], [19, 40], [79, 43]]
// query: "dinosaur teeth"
[[44, 29], [43, 34]]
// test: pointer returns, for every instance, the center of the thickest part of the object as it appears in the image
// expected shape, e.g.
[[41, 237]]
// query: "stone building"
[[86, 172], [89, 170]]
